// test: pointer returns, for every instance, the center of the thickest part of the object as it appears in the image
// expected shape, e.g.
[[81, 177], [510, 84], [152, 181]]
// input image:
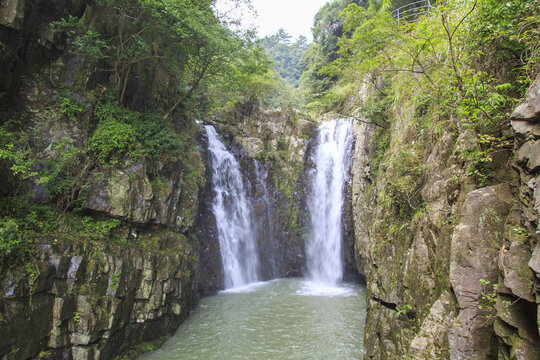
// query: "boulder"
[[12, 13], [529, 110], [517, 274], [529, 154]]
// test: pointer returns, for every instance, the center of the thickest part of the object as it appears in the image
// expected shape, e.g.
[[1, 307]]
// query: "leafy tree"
[[182, 36], [286, 55], [246, 79], [327, 30], [440, 51]]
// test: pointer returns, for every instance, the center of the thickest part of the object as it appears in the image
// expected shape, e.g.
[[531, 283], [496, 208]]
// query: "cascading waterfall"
[[331, 159], [234, 219]]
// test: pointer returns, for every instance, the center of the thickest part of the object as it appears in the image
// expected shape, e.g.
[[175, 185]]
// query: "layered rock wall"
[[456, 277], [99, 302], [82, 298]]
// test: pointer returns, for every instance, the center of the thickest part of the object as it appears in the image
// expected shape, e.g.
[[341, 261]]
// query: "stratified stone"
[[430, 342], [517, 275], [529, 153], [475, 249]]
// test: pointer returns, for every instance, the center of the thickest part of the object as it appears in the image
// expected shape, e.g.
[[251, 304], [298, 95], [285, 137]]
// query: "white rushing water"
[[331, 160], [234, 219]]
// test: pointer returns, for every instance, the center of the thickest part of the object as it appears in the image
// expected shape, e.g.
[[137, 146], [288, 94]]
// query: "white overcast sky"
[[295, 16]]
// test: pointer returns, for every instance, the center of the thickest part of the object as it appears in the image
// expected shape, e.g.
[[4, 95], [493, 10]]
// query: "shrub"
[[11, 238], [110, 141]]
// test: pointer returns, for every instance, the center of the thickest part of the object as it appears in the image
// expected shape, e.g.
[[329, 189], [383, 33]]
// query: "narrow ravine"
[[314, 318]]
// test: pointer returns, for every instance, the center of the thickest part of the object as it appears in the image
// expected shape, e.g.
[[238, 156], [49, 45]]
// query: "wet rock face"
[[473, 265], [147, 193], [271, 149], [95, 304], [460, 280]]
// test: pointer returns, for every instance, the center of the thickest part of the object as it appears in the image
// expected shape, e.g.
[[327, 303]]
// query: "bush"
[[120, 130], [11, 238], [110, 141], [156, 138]]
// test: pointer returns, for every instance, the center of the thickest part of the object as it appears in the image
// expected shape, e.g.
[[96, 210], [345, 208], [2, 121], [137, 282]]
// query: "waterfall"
[[234, 219], [331, 159]]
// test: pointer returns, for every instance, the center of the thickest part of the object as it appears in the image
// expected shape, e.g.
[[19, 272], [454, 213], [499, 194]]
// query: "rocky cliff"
[[451, 262], [95, 303], [88, 296], [102, 252]]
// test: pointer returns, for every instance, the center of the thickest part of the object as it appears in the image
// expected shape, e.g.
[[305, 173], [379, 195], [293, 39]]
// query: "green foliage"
[[334, 99], [62, 176], [11, 239], [98, 229], [157, 139], [520, 234], [327, 30], [247, 81], [76, 318], [506, 38], [92, 47], [121, 132], [14, 158], [286, 55], [282, 143], [479, 159], [403, 309], [420, 60], [111, 141], [23, 221], [405, 169], [184, 39], [115, 280], [382, 141], [488, 299], [70, 108], [20, 220]]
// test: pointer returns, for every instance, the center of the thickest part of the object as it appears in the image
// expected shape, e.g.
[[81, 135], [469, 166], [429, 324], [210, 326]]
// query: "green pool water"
[[280, 319]]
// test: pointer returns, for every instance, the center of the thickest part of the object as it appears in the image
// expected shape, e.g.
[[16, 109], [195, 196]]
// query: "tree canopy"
[[287, 55]]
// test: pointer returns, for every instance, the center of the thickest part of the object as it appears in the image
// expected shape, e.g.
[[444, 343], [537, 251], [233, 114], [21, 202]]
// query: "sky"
[[295, 16]]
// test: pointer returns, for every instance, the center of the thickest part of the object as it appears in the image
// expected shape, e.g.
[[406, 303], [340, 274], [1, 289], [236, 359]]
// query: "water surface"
[[280, 319]]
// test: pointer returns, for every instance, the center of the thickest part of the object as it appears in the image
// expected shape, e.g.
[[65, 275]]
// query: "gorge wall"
[[455, 277], [83, 298], [122, 270]]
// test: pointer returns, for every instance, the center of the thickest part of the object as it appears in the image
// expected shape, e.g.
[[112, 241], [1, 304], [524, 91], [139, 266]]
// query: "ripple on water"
[[278, 320]]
